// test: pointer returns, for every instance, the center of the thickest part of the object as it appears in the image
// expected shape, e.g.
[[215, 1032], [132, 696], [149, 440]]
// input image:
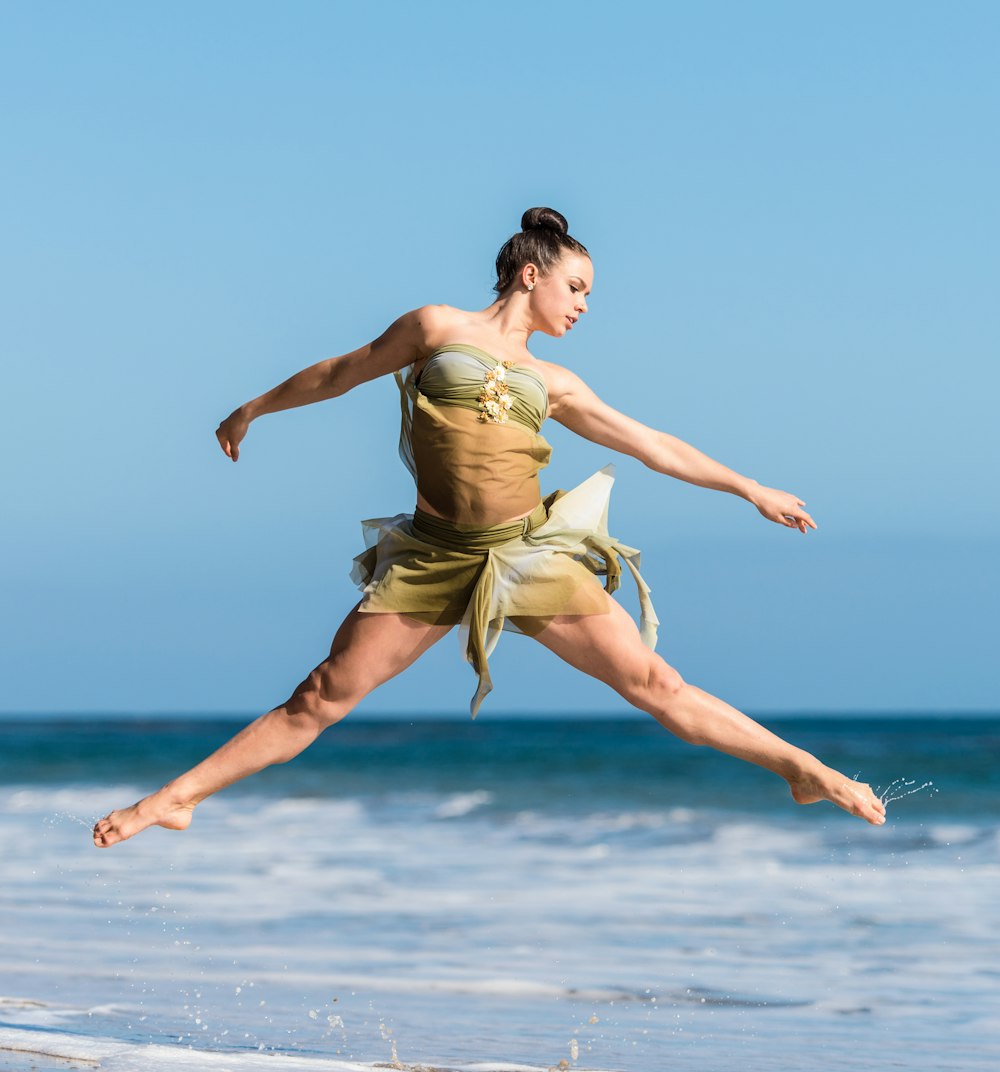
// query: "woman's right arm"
[[403, 342]]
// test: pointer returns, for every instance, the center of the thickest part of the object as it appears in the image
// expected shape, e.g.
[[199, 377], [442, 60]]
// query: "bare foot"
[[824, 783], [158, 809]]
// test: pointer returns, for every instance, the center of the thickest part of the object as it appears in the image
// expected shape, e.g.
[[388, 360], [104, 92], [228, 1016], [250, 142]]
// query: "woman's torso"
[[472, 438]]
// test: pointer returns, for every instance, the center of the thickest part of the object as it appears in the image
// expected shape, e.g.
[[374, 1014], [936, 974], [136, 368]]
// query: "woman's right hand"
[[231, 432]]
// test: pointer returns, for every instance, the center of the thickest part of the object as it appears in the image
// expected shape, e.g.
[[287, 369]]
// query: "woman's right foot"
[[158, 809]]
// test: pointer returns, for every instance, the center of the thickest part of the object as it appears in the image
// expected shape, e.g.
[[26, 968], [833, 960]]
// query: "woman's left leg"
[[608, 647]]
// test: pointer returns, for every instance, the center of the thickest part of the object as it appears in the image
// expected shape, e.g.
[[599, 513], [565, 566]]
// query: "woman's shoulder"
[[560, 379], [440, 324]]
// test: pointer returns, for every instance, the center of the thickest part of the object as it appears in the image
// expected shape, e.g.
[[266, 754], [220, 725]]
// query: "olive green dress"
[[471, 438]]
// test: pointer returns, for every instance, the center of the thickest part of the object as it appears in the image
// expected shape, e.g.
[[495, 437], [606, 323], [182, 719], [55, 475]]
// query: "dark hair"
[[542, 240]]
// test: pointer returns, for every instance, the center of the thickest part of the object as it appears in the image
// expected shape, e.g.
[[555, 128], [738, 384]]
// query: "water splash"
[[386, 1033], [62, 815], [901, 787]]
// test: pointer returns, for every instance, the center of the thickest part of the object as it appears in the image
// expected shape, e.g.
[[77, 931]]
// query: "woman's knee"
[[328, 693], [652, 684]]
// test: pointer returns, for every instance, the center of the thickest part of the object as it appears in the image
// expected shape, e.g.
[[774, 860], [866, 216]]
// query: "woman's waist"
[[491, 500], [462, 536]]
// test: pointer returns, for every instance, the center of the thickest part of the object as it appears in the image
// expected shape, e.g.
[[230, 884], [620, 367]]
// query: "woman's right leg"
[[608, 647], [367, 650]]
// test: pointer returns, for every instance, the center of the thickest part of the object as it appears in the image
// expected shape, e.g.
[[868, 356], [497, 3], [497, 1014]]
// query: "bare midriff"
[[473, 472]]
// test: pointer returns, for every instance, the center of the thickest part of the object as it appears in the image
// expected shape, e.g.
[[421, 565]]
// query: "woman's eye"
[[572, 288]]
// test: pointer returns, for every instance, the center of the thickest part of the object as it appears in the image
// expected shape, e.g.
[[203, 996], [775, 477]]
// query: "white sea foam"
[[111, 1056], [664, 925], [460, 804], [955, 833], [84, 800]]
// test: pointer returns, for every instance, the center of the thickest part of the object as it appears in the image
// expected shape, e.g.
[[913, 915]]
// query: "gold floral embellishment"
[[495, 400]]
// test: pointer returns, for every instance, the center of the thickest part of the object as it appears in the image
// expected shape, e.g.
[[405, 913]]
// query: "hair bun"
[[542, 241], [537, 219]]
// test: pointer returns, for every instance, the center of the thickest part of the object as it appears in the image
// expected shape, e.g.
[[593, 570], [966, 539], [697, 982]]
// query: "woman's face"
[[559, 299]]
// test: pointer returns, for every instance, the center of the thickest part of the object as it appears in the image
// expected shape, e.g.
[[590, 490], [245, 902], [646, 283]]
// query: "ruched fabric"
[[515, 576], [474, 471]]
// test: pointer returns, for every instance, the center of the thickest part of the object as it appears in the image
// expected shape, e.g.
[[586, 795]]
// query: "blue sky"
[[793, 216]]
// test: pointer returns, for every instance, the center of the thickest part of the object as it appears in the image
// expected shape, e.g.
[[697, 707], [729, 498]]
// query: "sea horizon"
[[789, 714]]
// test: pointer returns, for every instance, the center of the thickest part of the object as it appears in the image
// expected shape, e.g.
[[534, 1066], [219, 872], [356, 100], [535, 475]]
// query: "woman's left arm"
[[575, 405]]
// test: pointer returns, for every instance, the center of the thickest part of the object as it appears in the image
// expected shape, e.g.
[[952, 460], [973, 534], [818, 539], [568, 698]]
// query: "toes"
[[873, 810], [103, 831]]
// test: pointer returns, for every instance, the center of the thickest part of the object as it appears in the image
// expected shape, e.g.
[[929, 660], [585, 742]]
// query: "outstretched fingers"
[[799, 519], [783, 507], [796, 518]]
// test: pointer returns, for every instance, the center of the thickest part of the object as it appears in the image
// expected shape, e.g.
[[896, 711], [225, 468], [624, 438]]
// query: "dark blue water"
[[522, 762]]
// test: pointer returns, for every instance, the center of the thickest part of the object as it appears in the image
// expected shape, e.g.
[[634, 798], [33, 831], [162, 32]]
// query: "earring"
[[531, 286]]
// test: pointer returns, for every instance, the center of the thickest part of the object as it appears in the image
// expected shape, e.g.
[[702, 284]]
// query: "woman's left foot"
[[824, 783]]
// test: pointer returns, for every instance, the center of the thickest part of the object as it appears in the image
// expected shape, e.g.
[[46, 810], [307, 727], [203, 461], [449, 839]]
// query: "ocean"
[[514, 893]]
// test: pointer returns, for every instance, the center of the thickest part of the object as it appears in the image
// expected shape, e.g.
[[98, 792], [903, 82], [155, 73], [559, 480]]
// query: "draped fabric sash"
[[517, 561]]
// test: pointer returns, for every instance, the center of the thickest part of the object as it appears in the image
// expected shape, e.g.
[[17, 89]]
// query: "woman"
[[482, 550]]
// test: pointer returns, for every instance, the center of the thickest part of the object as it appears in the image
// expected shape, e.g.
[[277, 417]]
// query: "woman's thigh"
[[367, 650], [609, 648]]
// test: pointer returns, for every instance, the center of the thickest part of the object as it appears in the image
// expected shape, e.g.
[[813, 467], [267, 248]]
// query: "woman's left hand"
[[782, 507]]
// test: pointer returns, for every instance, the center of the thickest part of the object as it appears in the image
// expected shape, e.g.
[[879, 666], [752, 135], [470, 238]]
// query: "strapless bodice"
[[460, 375], [470, 434]]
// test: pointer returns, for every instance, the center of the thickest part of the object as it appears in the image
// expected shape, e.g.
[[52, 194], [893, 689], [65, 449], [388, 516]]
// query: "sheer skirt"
[[486, 579]]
